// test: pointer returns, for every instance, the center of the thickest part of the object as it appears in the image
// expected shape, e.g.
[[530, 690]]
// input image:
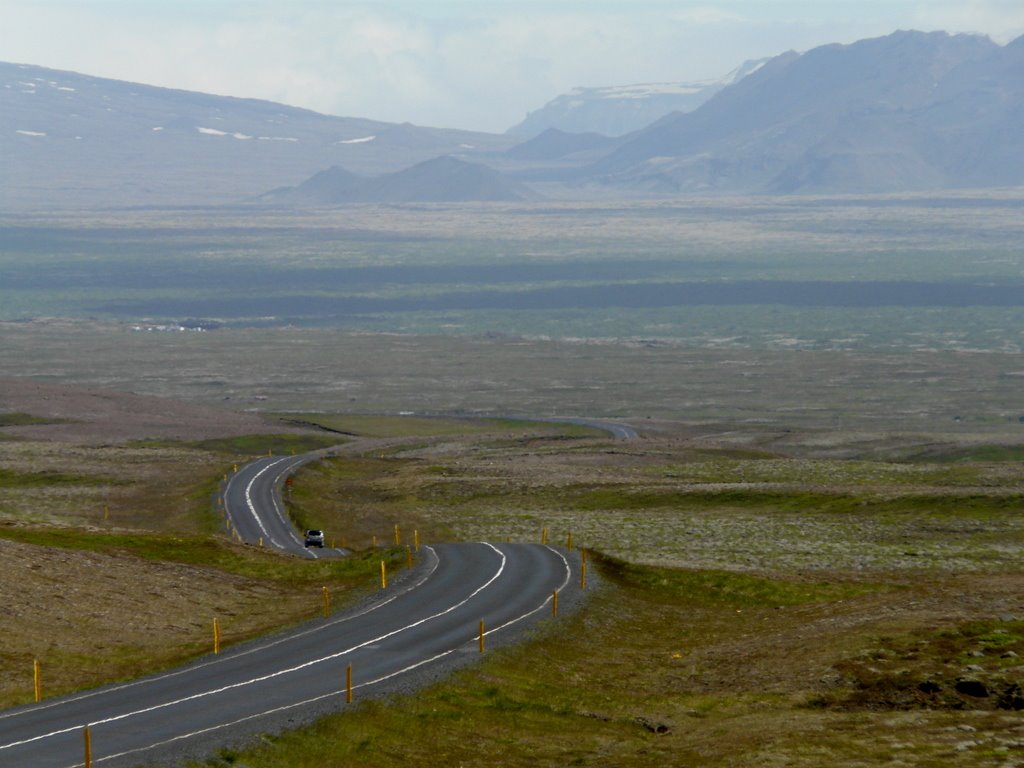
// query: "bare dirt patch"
[[88, 415], [90, 617]]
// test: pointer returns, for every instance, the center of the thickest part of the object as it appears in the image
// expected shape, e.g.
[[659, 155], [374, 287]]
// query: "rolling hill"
[[439, 180]]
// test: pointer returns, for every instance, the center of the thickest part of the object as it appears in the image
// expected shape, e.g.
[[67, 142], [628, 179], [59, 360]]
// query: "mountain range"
[[911, 111], [620, 109], [907, 112]]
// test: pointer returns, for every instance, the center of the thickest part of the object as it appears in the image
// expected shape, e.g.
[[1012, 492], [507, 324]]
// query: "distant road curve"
[[614, 428]]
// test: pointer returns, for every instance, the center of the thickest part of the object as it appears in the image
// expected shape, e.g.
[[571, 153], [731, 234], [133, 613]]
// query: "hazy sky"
[[480, 64]]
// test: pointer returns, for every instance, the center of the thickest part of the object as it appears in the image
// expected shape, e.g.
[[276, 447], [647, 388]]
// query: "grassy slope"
[[79, 523]]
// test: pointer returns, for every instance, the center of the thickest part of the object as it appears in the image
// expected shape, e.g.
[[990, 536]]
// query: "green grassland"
[[22, 419], [249, 446]]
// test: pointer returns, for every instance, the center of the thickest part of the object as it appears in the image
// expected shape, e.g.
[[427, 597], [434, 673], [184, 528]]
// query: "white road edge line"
[[565, 582], [272, 675], [368, 683]]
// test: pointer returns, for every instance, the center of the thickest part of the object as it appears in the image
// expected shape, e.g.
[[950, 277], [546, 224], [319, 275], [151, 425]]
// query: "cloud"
[[1001, 20], [706, 14]]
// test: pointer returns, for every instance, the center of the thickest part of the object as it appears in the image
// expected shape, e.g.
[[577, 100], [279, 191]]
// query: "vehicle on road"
[[315, 538]]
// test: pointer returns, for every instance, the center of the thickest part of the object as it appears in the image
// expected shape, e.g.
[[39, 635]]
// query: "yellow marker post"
[[37, 675], [235, 467], [481, 635], [383, 575], [416, 539], [348, 684], [216, 636], [327, 601], [269, 453], [408, 557], [554, 603], [398, 536], [261, 542], [568, 541], [543, 535], [583, 575], [88, 746]]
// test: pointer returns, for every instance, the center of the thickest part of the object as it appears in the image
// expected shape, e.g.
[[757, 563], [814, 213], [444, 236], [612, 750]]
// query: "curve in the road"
[[614, 428], [252, 502], [261, 686]]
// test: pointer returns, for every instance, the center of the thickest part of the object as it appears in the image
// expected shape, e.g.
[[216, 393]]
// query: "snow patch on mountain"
[[216, 132], [615, 110]]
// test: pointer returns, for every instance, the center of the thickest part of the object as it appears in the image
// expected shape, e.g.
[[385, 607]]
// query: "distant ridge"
[[332, 185], [440, 180]]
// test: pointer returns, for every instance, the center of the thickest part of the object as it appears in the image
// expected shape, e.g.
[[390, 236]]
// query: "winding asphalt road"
[[252, 501], [430, 622]]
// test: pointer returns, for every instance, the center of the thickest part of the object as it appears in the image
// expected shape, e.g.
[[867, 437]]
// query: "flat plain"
[[811, 555]]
